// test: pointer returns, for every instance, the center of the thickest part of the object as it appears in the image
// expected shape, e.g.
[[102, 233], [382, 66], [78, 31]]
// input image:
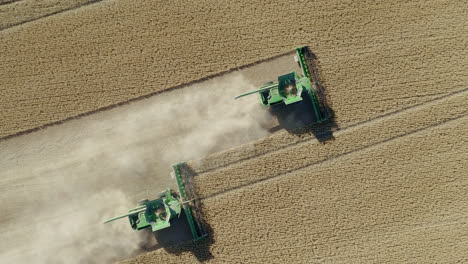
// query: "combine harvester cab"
[[156, 214], [160, 213], [292, 88]]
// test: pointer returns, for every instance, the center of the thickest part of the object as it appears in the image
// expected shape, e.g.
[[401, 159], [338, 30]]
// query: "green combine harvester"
[[293, 88], [158, 214]]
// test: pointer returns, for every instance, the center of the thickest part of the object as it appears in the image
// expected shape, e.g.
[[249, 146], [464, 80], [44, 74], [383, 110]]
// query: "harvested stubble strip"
[[260, 147], [363, 206], [311, 151]]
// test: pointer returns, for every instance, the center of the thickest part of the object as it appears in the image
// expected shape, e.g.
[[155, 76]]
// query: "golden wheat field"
[[382, 56], [390, 186], [386, 191]]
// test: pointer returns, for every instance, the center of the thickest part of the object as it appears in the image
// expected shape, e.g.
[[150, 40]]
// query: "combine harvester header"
[[167, 208], [292, 88]]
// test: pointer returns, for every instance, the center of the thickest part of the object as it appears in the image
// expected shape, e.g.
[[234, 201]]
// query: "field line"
[[46, 14], [10, 2]]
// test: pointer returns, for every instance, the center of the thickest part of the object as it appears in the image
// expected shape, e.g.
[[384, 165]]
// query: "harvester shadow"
[[299, 118], [323, 131], [201, 248]]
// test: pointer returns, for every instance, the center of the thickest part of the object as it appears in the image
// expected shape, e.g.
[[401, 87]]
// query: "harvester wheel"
[[268, 83], [142, 202]]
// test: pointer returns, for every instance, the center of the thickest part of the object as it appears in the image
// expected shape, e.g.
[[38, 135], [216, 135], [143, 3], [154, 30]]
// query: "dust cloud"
[[90, 169]]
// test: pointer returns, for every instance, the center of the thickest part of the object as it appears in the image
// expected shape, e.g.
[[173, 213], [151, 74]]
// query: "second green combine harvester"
[[293, 88], [158, 214]]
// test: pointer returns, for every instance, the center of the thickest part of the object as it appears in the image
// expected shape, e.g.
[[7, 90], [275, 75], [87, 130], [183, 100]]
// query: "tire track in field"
[[273, 143], [7, 2], [33, 12], [304, 154]]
